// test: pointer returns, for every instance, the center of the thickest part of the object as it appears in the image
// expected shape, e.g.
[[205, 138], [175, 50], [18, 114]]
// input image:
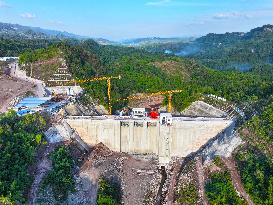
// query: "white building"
[[166, 118], [8, 58], [139, 112]]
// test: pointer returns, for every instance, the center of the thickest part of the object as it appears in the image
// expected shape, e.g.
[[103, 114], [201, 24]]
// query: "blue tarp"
[[32, 102], [24, 112]]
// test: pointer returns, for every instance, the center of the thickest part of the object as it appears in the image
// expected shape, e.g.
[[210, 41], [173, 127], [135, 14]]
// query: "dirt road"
[[236, 179], [201, 180], [42, 168]]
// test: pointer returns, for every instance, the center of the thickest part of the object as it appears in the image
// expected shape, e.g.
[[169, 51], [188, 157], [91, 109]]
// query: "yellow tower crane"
[[108, 79], [169, 93]]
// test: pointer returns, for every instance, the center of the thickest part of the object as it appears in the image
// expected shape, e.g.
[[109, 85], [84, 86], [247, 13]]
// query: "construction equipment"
[[108, 79], [169, 93]]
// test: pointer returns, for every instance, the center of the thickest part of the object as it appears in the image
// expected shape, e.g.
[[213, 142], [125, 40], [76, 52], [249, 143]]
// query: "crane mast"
[[169, 93], [108, 79]]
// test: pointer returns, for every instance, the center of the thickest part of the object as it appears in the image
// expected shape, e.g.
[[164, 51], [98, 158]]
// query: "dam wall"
[[184, 136]]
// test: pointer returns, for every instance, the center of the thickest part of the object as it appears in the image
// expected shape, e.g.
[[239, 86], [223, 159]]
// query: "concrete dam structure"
[[139, 136]]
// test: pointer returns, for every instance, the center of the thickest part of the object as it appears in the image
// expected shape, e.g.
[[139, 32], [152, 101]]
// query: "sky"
[[123, 19]]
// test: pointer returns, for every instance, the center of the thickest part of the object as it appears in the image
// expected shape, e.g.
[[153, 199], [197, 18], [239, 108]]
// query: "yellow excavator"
[[169, 93]]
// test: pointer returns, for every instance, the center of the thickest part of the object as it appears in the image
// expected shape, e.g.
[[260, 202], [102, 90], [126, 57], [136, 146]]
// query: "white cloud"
[[3, 4], [159, 3], [229, 15], [28, 15]]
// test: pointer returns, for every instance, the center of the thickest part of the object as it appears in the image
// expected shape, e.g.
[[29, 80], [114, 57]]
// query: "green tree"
[[61, 177]]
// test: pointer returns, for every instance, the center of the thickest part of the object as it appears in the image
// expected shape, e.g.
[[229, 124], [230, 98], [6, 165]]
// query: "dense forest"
[[15, 39], [219, 190], [146, 72], [254, 159], [20, 138], [238, 50], [14, 47]]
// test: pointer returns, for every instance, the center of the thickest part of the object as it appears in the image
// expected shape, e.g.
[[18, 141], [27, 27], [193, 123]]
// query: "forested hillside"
[[20, 138], [238, 50], [14, 47], [16, 31], [142, 71], [254, 159]]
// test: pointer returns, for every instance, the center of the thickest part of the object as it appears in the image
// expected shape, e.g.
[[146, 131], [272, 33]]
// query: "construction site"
[[141, 145], [145, 128]]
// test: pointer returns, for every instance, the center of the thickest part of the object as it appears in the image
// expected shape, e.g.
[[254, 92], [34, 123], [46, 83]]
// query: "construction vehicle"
[[108, 79], [169, 93]]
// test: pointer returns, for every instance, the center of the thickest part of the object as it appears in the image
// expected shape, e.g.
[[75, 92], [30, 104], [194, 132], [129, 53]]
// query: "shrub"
[[61, 177], [109, 193], [220, 190], [188, 195]]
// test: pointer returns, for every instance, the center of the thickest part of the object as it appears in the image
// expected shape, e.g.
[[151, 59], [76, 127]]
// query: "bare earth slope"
[[11, 88]]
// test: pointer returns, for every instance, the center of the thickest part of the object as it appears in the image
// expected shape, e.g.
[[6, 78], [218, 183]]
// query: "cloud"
[[3, 4], [230, 15], [159, 3], [28, 15]]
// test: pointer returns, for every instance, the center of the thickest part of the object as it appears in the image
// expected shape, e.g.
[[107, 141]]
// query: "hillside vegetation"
[[220, 190], [255, 159], [60, 178], [238, 50], [14, 47], [146, 72], [19, 139], [42, 63]]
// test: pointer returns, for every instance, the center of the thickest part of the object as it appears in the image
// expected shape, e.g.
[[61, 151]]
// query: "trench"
[[159, 197]]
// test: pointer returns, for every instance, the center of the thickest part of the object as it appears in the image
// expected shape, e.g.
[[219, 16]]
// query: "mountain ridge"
[[8, 30]]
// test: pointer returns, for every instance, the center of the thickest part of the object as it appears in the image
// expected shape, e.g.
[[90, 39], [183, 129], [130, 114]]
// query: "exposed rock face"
[[86, 188], [58, 133], [222, 145], [200, 108], [78, 109], [138, 179]]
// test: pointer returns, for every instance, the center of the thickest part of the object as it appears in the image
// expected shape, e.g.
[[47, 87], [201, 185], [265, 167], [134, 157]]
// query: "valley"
[[215, 149]]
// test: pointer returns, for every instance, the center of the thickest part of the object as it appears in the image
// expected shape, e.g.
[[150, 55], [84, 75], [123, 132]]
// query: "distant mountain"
[[241, 51], [16, 31], [151, 41], [103, 41], [236, 50]]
